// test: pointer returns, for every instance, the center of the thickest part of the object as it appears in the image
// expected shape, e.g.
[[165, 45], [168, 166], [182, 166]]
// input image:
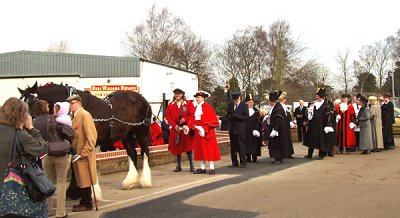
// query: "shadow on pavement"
[[173, 206]]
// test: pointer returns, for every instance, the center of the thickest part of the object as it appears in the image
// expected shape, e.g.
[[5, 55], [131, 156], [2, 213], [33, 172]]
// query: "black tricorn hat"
[[249, 97], [178, 91], [346, 95], [235, 95], [274, 95], [204, 94], [321, 92], [362, 98]]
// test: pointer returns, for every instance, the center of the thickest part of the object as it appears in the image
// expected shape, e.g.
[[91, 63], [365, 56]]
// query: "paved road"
[[344, 186]]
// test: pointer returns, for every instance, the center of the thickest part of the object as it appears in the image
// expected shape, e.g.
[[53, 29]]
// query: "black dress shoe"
[[233, 165], [191, 169], [200, 171], [178, 169], [276, 162], [321, 157], [211, 172], [308, 156], [81, 208]]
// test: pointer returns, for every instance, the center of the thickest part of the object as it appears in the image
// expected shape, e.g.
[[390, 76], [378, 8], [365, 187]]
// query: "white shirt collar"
[[318, 104]]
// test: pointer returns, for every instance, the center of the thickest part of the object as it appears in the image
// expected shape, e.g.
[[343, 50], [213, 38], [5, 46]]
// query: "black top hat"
[[321, 92], [346, 95], [274, 95], [204, 94], [235, 95], [178, 91]]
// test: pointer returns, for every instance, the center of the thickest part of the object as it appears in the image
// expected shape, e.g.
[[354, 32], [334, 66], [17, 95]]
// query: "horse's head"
[[30, 96], [28, 91]]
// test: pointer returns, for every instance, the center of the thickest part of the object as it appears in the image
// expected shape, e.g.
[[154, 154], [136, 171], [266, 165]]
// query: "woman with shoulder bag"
[[17, 131], [56, 163]]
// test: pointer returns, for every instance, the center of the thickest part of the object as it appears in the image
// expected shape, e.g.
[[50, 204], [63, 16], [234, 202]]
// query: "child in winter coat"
[[61, 110]]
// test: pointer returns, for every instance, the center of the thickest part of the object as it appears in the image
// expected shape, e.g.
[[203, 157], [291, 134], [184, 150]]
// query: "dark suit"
[[301, 129], [237, 131]]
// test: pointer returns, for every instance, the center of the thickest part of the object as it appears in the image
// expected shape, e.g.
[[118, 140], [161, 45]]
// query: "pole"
[[393, 92], [163, 105], [91, 181]]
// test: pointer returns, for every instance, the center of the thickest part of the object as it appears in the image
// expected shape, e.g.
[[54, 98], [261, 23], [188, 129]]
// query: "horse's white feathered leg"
[[145, 177], [131, 180]]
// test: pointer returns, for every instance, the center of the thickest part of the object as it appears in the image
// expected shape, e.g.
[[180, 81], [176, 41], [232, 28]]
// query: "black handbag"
[[61, 147], [38, 184]]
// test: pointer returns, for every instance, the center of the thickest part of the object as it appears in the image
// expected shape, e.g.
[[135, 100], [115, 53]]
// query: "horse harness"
[[113, 118]]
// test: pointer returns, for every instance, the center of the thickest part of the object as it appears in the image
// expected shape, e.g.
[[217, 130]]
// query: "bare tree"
[[342, 59], [61, 47], [394, 46], [382, 62], [242, 57], [283, 52], [166, 38]]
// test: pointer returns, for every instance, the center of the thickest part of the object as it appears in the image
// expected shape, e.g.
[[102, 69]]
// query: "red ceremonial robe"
[[206, 148], [345, 136], [156, 134], [173, 117]]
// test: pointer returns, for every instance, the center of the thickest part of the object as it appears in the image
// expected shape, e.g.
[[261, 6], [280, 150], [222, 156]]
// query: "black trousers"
[[86, 196], [238, 146], [301, 132], [320, 153]]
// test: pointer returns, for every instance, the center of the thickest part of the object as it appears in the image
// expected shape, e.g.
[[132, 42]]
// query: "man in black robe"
[[237, 113], [317, 126], [387, 121], [278, 129], [300, 113], [253, 131]]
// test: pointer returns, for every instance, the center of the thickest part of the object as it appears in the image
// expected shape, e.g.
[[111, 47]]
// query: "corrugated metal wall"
[[38, 64]]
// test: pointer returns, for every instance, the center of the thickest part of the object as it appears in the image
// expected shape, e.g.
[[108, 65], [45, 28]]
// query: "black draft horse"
[[124, 116]]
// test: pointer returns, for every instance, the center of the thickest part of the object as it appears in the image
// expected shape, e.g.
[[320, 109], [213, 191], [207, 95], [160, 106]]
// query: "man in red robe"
[[179, 113], [345, 137], [156, 133], [204, 123]]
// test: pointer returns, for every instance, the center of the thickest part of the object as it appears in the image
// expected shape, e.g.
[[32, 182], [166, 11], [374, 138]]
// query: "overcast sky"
[[99, 27]]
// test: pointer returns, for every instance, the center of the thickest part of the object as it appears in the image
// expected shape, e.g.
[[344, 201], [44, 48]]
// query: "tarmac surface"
[[352, 185]]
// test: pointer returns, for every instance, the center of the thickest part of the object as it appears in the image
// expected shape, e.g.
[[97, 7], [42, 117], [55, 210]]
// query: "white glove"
[[352, 125], [185, 130], [201, 130], [274, 133], [292, 125], [338, 117], [328, 129], [256, 133]]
